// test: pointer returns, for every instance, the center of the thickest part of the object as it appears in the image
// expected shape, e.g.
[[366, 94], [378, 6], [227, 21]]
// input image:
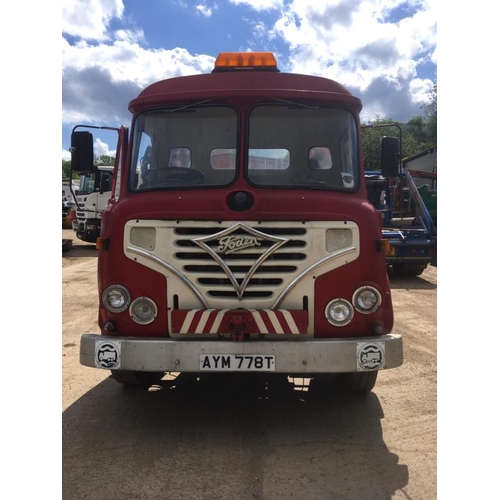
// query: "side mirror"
[[389, 158], [82, 152]]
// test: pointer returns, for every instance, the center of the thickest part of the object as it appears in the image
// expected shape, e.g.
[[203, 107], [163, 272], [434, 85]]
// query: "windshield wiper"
[[300, 104], [186, 106]]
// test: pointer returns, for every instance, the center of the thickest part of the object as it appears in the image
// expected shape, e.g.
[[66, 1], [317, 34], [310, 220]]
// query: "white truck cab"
[[93, 195]]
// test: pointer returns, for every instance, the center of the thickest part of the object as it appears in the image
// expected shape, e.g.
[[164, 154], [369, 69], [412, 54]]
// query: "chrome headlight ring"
[[339, 312], [115, 298], [143, 310], [366, 299]]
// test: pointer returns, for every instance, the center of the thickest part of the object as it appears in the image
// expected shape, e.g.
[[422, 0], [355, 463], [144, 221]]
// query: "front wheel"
[[359, 381], [130, 378], [409, 269]]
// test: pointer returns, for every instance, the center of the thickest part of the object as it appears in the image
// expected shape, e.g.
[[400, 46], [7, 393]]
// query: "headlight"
[[115, 298], [143, 310], [366, 300], [339, 312]]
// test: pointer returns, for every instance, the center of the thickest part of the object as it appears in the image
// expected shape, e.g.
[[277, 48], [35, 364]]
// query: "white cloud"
[[362, 44], [129, 62], [204, 10], [260, 31], [89, 18], [357, 43], [100, 149], [356, 32], [260, 4], [131, 36], [100, 80], [421, 90]]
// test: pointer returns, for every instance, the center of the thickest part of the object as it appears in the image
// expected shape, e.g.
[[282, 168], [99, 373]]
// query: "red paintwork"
[[253, 85], [242, 90], [239, 317]]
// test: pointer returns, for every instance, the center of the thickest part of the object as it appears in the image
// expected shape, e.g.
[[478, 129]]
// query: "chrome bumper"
[[298, 356]]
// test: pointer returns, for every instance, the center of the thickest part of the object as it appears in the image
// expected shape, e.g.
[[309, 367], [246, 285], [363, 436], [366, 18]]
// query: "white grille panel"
[[247, 264]]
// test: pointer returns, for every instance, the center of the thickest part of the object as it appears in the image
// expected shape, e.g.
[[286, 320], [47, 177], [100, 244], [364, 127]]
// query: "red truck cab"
[[239, 236]]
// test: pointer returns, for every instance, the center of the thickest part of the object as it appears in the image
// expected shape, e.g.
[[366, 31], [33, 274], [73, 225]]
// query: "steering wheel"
[[307, 178], [174, 175], [181, 174]]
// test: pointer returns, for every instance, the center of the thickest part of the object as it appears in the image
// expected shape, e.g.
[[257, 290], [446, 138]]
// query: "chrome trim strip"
[[173, 270], [240, 289], [309, 270]]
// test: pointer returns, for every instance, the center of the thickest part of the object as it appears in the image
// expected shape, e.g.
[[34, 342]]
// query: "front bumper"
[[300, 356], [88, 230]]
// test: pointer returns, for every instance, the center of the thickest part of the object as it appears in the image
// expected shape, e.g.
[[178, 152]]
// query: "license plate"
[[237, 362]]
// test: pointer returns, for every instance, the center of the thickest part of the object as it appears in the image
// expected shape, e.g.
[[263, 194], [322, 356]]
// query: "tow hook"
[[237, 326]]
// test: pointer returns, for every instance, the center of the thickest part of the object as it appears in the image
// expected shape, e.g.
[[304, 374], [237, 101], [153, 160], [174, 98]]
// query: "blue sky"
[[385, 52]]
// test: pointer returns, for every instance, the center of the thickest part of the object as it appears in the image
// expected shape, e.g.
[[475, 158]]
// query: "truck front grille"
[[211, 274], [228, 264]]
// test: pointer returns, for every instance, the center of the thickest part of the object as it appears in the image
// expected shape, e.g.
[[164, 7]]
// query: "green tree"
[[417, 135], [99, 160], [105, 160], [373, 133], [430, 111], [371, 136], [412, 137], [66, 164], [417, 128]]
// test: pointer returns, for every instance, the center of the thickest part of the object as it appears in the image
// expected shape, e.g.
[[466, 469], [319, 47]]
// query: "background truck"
[[238, 236], [406, 198], [423, 170], [93, 195], [69, 188]]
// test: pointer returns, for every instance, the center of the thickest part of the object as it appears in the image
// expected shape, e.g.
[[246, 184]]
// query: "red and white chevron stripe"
[[265, 321]]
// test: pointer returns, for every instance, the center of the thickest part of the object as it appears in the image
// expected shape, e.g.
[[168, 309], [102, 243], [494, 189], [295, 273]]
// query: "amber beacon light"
[[231, 61]]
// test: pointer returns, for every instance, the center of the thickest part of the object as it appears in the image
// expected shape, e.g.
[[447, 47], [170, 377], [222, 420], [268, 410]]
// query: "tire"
[[359, 381], [130, 378], [409, 269]]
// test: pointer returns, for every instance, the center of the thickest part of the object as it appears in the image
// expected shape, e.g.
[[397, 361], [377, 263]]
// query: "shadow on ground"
[[411, 282], [225, 437], [80, 250]]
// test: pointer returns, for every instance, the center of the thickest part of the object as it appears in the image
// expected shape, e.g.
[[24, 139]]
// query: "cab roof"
[[253, 75]]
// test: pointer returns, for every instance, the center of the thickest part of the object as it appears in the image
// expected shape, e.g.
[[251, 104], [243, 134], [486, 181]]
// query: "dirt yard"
[[234, 438]]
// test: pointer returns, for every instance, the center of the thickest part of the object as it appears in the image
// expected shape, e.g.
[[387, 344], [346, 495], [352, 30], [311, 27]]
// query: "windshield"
[[291, 146], [184, 147], [95, 181], [300, 146], [87, 183]]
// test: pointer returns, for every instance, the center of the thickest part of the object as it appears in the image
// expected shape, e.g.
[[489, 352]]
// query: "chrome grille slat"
[[213, 279], [199, 257]]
